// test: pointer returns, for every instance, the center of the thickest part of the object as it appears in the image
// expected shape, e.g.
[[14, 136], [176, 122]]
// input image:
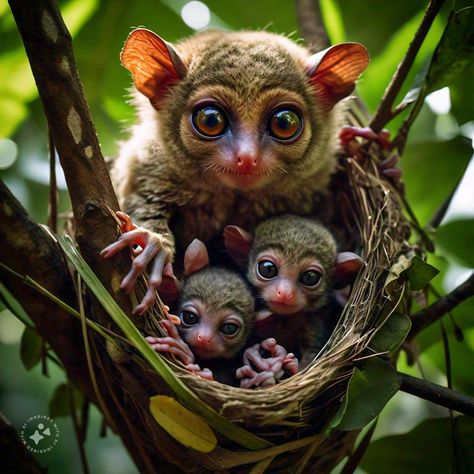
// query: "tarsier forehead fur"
[[219, 288], [296, 238]]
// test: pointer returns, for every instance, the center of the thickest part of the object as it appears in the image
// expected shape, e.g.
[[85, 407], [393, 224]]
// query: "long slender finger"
[[245, 372], [123, 241], [170, 328], [256, 360], [138, 267], [269, 344], [178, 351], [291, 365], [154, 281]]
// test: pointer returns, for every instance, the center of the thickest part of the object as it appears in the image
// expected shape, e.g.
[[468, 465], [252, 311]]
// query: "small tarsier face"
[[210, 333], [288, 287], [246, 146]]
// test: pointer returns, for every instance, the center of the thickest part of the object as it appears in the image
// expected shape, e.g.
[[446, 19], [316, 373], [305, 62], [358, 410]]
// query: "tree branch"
[[311, 24], [28, 249], [384, 112], [434, 393], [14, 455], [46, 37], [438, 309]]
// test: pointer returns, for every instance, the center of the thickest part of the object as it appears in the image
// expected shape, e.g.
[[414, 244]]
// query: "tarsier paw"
[[153, 247], [260, 370], [172, 344], [387, 167], [203, 373]]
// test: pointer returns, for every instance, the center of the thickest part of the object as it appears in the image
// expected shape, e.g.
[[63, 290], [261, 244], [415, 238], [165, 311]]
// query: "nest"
[[300, 407]]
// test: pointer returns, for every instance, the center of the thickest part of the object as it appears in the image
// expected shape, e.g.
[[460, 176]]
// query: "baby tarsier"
[[293, 263], [233, 127], [217, 312]]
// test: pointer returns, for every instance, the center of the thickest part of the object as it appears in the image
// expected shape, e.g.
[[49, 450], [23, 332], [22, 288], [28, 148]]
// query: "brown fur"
[[220, 289], [163, 174], [297, 240]]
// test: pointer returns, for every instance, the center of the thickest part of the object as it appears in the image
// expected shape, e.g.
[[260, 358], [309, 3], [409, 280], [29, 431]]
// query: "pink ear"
[[154, 64], [195, 257], [170, 286], [333, 72], [237, 242], [348, 265]]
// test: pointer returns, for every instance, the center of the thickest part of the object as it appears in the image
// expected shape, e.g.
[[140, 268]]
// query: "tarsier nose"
[[204, 338], [246, 162], [285, 295]]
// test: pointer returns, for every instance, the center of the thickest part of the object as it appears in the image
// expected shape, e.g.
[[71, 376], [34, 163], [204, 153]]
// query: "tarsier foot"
[[261, 371], [151, 247], [388, 167]]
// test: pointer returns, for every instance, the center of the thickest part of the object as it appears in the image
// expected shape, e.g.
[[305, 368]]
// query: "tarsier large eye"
[[285, 124], [209, 121], [267, 269], [311, 278], [229, 329], [189, 318]]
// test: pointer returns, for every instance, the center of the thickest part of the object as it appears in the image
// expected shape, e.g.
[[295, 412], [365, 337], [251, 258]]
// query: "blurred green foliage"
[[435, 160]]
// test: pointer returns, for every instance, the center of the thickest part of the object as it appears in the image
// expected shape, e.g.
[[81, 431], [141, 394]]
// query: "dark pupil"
[[310, 278], [267, 269], [285, 120], [189, 318], [284, 124], [209, 121], [229, 329]]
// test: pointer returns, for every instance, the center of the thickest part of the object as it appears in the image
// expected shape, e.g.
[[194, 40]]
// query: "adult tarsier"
[[232, 128]]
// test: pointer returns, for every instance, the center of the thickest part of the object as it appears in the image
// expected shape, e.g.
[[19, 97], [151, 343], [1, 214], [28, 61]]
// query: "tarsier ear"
[[348, 265], [154, 64], [333, 72], [195, 257], [170, 286], [237, 242]]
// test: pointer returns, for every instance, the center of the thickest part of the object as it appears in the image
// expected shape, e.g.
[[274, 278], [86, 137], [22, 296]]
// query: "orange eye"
[[209, 121], [284, 124]]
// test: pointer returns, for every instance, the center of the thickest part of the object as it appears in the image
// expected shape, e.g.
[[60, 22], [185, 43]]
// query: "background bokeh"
[[438, 153]]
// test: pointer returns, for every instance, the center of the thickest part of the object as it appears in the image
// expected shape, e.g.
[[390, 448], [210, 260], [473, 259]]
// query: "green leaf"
[[12, 304], [368, 392], [157, 362], [60, 405], [391, 335], [426, 163], [427, 449], [332, 19], [454, 52], [420, 273], [31, 348], [457, 238]]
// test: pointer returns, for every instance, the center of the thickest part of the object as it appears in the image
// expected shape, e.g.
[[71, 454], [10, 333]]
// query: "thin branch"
[[384, 112], [435, 393], [356, 457], [439, 214], [438, 309], [28, 248], [311, 24]]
